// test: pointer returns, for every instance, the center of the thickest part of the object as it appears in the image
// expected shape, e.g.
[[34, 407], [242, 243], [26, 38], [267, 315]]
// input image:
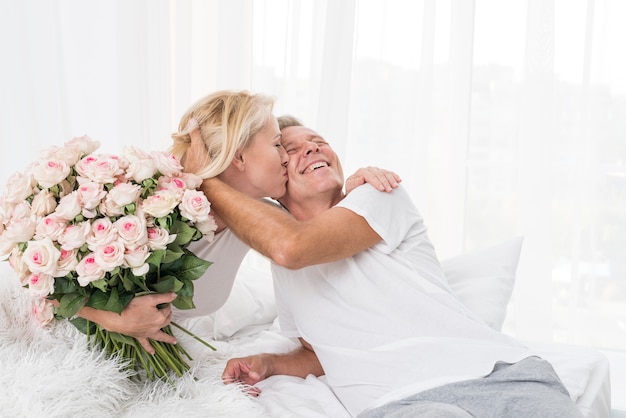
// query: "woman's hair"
[[227, 121]]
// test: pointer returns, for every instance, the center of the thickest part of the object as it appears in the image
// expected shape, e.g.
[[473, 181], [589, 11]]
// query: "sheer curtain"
[[503, 118]]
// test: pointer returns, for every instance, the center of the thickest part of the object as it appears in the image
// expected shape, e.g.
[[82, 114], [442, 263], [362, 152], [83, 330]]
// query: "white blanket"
[[51, 372]]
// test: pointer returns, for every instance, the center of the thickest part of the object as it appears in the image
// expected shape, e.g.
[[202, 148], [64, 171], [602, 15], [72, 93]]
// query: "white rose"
[[40, 284], [19, 187], [109, 207], [207, 228], [101, 232], [141, 165], [84, 143], [44, 203], [132, 230], [194, 206], [166, 163], [20, 230], [50, 172], [74, 236], [88, 270], [125, 193], [17, 264], [41, 256], [6, 246], [158, 238], [110, 255], [90, 194], [160, 204], [43, 311], [67, 262], [191, 180], [50, 226], [69, 207], [136, 257]]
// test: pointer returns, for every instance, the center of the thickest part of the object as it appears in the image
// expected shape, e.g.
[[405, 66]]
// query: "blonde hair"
[[228, 120]]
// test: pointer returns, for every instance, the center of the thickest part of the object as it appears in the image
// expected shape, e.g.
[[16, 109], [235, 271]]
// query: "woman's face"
[[265, 163]]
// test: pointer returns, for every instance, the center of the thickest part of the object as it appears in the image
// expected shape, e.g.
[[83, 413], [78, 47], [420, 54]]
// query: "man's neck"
[[310, 208]]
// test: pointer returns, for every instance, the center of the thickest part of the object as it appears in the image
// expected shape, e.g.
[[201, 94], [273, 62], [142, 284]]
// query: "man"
[[357, 280]]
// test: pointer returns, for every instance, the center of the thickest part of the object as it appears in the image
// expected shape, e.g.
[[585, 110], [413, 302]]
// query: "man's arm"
[[332, 235], [250, 370]]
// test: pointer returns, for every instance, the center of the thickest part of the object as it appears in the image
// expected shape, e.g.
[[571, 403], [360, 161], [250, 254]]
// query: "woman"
[[244, 151]]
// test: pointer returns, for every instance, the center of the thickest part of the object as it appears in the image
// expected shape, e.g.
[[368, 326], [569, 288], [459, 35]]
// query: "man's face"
[[313, 166]]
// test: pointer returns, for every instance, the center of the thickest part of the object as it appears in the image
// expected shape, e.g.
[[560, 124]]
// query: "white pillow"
[[483, 280], [251, 302]]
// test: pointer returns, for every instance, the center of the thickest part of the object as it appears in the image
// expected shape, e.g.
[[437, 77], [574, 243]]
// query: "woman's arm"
[[335, 234], [141, 319]]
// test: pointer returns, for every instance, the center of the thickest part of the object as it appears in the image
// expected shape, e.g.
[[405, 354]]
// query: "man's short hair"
[[285, 121]]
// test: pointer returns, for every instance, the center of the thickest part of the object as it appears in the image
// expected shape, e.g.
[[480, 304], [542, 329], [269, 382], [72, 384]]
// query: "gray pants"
[[527, 389]]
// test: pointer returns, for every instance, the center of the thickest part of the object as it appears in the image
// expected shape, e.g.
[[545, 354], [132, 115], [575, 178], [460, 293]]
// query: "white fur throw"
[[51, 372]]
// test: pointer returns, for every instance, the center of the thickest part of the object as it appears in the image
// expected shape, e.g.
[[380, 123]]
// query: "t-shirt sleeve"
[[390, 214]]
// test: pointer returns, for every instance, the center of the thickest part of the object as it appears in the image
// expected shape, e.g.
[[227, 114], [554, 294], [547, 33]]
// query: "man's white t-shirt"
[[384, 323], [211, 291]]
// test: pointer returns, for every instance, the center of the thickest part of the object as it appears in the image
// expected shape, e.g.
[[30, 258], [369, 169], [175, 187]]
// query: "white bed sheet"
[[584, 371]]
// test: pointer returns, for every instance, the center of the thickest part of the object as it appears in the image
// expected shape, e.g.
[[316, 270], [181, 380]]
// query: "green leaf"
[[173, 253], [112, 301], [84, 326], [65, 285], [193, 267], [184, 302], [184, 232], [154, 259], [70, 304], [100, 284], [167, 284]]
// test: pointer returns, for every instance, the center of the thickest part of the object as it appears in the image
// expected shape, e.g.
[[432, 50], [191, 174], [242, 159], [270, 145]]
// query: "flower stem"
[[194, 336]]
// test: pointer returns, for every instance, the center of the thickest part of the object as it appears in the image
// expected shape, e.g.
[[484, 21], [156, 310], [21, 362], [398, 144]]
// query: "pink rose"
[[17, 264], [132, 230], [110, 255], [173, 184], [50, 172], [158, 238], [50, 226], [43, 311], [74, 236], [194, 206], [166, 163], [101, 168], [67, 262], [40, 284], [135, 258], [90, 194], [108, 207], [88, 270], [41, 256], [160, 204], [102, 232]]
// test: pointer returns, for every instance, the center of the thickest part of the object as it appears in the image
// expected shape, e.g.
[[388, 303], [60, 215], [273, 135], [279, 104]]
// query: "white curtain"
[[504, 118]]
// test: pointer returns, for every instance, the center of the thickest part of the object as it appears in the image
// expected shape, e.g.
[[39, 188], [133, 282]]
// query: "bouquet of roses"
[[85, 229]]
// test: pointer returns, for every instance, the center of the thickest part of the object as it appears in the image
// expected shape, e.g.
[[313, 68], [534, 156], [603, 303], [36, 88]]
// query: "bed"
[[52, 372]]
